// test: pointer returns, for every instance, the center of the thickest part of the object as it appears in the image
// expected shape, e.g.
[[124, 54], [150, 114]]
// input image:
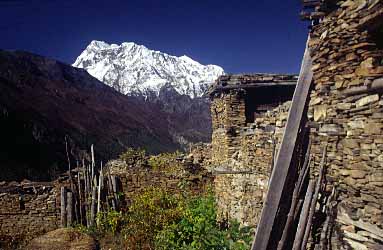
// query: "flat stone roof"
[[244, 81]]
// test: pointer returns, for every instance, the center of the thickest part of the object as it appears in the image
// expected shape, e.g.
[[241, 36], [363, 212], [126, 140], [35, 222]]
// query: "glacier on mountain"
[[135, 69]]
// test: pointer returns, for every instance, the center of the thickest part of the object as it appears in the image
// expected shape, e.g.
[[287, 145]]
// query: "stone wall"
[[27, 210], [228, 117], [242, 154], [346, 114], [30, 209], [134, 180]]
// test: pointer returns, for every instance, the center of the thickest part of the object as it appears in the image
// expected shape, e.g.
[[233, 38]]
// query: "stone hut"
[[248, 117]]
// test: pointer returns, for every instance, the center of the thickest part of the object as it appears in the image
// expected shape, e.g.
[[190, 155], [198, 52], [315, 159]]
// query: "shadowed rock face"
[[42, 101]]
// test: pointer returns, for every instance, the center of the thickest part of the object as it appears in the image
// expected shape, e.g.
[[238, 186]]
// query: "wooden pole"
[[67, 153], [93, 163], [295, 201], [114, 185], [316, 194], [283, 166], [69, 208], [100, 184], [110, 190], [93, 207], [63, 207], [80, 195], [303, 217]]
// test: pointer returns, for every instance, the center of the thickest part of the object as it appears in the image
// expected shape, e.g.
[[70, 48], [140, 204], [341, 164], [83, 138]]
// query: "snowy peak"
[[134, 69]]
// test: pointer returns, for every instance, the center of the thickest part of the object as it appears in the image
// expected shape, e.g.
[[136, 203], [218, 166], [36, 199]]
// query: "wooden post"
[[283, 166], [303, 217], [69, 209], [80, 195], [315, 198], [110, 190], [100, 184], [93, 207], [63, 207], [67, 153], [93, 163], [295, 201], [114, 185]]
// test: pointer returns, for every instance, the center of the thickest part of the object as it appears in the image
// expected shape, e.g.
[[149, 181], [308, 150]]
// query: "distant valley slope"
[[43, 100]]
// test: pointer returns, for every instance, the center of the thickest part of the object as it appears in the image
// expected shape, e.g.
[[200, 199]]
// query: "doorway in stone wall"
[[259, 100]]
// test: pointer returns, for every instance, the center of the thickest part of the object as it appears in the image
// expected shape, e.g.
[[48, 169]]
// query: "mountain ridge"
[[134, 69]]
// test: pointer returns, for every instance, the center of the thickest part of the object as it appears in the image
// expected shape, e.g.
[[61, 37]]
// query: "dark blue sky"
[[239, 35]]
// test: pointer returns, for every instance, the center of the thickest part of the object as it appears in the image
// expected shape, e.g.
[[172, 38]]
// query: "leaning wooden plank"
[[303, 217], [283, 163]]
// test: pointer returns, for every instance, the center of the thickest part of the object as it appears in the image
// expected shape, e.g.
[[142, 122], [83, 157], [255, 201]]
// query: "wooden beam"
[[311, 3], [252, 86], [312, 15], [285, 154]]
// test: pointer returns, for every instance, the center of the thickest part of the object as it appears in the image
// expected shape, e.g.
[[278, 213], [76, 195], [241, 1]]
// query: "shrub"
[[165, 161], [109, 221], [148, 214], [198, 229], [157, 219]]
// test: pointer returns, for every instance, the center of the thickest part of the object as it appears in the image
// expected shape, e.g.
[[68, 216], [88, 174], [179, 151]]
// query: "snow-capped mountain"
[[135, 69]]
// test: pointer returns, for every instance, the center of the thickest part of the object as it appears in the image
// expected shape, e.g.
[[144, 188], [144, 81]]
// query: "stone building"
[[248, 117], [346, 113]]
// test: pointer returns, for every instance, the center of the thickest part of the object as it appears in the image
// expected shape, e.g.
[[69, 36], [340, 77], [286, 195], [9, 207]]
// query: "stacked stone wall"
[[134, 181], [241, 179], [27, 210], [228, 117], [346, 58]]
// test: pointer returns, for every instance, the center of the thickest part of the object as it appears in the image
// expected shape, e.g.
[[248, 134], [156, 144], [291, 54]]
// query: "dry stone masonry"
[[345, 112], [134, 180], [248, 115], [27, 209]]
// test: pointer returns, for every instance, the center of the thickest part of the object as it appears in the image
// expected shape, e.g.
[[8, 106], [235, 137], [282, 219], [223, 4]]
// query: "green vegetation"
[[159, 220], [162, 162]]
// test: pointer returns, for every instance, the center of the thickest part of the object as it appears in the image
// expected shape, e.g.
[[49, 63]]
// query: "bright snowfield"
[[135, 69]]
